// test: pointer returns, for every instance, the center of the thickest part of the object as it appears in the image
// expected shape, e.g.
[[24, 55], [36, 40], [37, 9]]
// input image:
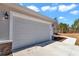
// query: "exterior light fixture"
[[6, 16]]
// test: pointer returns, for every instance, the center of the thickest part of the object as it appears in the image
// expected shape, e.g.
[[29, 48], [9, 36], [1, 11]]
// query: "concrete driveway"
[[51, 48]]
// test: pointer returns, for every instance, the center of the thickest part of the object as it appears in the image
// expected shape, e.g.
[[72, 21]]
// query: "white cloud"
[[64, 8], [44, 8], [75, 12], [33, 8], [21, 4], [64, 19], [61, 17], [48, 8], [53, 8]]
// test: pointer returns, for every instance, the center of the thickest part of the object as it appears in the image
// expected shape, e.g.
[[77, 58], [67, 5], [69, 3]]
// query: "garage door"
[[26, 31]]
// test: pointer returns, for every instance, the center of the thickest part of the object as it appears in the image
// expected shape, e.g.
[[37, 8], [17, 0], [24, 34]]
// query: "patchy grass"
[[74, 35]]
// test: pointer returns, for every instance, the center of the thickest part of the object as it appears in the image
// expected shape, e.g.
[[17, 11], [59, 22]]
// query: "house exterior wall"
[[4, 27], [28, 30], [24, 27]]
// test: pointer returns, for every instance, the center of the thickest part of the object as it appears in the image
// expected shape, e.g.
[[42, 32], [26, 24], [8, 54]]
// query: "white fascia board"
[[29, 17]]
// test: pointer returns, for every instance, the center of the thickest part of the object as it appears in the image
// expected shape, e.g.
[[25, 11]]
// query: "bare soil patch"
[[59, 38]]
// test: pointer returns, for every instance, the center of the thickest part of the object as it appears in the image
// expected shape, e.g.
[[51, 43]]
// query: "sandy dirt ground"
[[74, 35]]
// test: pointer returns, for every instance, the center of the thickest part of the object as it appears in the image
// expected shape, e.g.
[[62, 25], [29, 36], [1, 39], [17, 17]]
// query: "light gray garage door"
[[27, 32]]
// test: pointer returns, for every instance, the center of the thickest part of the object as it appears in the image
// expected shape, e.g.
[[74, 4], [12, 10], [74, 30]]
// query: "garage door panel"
[[27, 32]]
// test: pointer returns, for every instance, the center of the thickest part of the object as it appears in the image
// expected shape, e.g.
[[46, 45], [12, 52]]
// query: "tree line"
[[65, 28]]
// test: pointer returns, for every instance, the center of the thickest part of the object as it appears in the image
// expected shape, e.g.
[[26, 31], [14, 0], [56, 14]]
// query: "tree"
[[63, 28], [75, 26]]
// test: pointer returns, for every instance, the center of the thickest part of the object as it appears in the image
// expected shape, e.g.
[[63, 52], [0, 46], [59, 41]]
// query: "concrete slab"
[[53, 49], [70, 41]]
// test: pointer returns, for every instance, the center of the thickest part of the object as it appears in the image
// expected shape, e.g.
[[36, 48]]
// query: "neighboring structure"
[[23, 26]]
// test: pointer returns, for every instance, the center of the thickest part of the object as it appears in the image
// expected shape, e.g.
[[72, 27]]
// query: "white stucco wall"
[[4, 28], [28, 30]]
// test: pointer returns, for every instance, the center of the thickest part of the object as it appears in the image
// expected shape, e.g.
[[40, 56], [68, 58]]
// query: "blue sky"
[[65, 12]]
